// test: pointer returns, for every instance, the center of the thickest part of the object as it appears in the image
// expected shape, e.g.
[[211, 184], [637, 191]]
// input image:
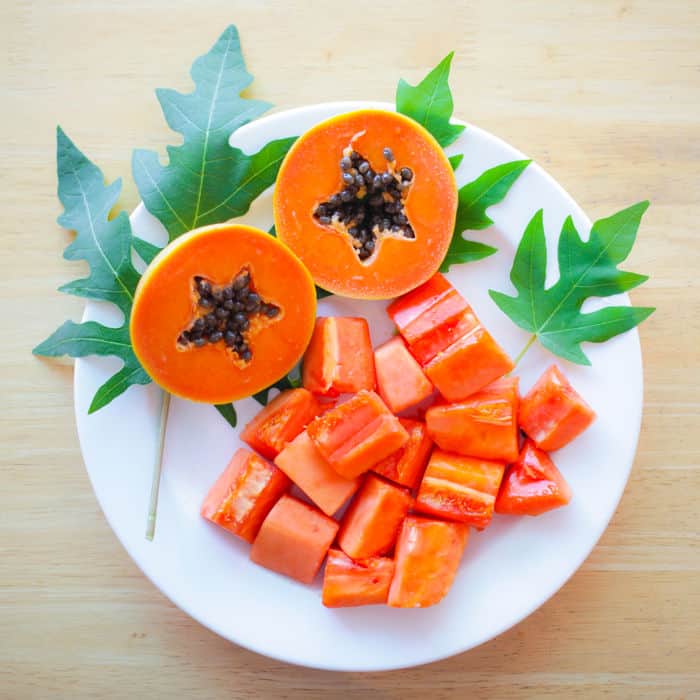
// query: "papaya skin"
[[164, 305], [310, 174]]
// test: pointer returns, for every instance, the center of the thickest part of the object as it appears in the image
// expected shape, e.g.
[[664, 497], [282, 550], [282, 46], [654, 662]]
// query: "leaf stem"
[[521, 354], [157, 468]]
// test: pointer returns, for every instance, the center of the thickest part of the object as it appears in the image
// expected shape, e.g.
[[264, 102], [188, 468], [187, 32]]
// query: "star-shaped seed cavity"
[[370, 204], [228, 314]]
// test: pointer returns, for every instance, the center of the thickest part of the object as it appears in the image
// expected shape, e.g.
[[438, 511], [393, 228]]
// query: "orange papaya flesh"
[[244, 494], [221, 313], [407, 464], [368, 201]]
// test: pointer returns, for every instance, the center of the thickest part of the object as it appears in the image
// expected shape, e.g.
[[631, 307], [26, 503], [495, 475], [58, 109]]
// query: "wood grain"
[[604, 94]]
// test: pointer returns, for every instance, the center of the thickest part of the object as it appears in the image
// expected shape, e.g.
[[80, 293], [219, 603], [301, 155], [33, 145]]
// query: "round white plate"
[[508, 571]]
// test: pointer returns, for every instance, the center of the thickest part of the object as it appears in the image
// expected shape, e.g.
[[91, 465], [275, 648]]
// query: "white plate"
[[508, 571]]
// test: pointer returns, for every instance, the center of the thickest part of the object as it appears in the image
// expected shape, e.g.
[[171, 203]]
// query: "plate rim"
[[227, 634]]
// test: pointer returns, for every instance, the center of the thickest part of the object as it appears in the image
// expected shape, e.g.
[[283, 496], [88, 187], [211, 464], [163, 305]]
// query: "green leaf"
[[475, 198], [488, 189], [289, 381], [464, 251], [106, 246], [456, 160], [206, 181], [145, 250], [92, 338], [228, 412], [586, 269], [430, 103]]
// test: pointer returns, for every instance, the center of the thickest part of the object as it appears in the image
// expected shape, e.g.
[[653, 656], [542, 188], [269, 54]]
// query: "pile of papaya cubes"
[[421, 436]]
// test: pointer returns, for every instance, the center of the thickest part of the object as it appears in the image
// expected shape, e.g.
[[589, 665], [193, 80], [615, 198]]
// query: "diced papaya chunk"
[[305, 466], [348, 583], [281, 421], [400, 379], [484, 424], [427, 557], [419, 312], [460, 488], [552, 413], [371, 524], [441, 337], [244, 494], [406, 465], [468, 365], [294, 539], [357, 434], [339, 359], [408, 308], [532, 485]]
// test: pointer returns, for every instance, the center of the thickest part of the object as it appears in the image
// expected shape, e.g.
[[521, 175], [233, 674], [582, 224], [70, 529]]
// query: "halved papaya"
[[221, 313], [368, 201]]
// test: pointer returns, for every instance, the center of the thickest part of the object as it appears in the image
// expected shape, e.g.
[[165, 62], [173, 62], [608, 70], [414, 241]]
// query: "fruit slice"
[[367, 200], [483, 425], [243, 495], [348, 583], [339, 359], [304, 465], [460, 488], [532, 485], [357, 434], [400, 379], [406, 465], [221, 313], [372, 522], [428, 553], [425, 316], [552, 413], [469, 364], [281, 421], [294, 539]]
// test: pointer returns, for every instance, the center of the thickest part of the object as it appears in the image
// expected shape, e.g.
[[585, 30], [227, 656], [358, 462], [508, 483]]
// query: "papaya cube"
[[243, 495], [339, 359], [348, 583], [484, 424], [357, 434], [400, 379], [304, 465], [552, 413], [441, 337], [371, 524], [281, 421], [460, 488], [468, 365], [532, 485], [426, 307], [428, 553], [406, 465], [294, 539]]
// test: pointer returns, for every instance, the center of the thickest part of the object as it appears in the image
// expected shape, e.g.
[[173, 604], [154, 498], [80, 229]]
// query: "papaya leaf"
[[145, 250], [475, 198], [456, 160], [586, 269], [207, 181], [430, 103], [105, 244], [228, 412]]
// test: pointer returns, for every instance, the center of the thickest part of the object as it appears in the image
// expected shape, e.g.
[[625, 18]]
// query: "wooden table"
[[604, 94]]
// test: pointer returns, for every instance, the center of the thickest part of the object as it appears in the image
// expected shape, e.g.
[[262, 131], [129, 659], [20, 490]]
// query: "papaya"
[[367, 200], [221, 313]]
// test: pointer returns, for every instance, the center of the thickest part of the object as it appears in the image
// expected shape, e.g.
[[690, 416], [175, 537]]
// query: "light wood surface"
[[605, 95]]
